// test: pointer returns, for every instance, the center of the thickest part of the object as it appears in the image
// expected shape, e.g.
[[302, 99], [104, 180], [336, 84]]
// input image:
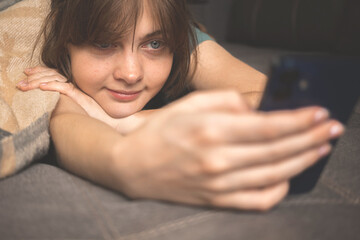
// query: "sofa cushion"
[[298, 25]]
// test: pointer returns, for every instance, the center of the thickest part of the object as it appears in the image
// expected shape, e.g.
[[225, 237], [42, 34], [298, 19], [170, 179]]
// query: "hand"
[[48, 79], [209, 149]]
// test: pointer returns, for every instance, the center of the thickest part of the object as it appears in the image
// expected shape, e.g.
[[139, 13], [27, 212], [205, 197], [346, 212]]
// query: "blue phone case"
[[306, 80]]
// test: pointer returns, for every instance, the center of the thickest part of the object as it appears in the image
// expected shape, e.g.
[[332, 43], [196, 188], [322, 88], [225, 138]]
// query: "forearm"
[[86, 147], [129, 124]]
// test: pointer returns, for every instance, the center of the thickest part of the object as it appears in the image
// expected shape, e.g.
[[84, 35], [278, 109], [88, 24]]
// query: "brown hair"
[[82, 21]]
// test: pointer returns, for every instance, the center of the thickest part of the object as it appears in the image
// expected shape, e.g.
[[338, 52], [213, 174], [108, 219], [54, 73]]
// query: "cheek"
[[86, 74], [159, 71]]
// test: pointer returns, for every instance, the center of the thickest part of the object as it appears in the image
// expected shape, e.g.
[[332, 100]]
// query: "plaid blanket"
[[24, 117]]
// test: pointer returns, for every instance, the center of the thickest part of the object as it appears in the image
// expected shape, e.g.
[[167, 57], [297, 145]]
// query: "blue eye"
[[155, 44]]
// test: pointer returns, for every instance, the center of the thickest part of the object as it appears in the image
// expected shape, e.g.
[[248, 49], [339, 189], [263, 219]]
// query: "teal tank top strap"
[[201, 36]]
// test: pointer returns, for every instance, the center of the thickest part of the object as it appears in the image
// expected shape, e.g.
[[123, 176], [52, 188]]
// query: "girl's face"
[[122, 78]]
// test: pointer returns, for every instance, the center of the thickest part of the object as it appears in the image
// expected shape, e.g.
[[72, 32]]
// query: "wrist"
[[122, 169], [129, 124]]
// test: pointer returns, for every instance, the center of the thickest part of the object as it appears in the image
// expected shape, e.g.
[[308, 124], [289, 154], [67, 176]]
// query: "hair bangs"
[[174, 20], [105, 21], [169, 18]]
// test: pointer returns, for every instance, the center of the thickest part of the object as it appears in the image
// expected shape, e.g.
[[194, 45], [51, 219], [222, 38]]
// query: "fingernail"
[[336, 130], [43, 84], [321, 115], [324, 150]]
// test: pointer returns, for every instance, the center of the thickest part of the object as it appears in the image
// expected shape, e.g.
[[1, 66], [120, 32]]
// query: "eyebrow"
[[153, 34], [149, 35]]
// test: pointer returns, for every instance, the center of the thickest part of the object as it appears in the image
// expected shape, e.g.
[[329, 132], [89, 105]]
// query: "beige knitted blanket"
[[24, 116]]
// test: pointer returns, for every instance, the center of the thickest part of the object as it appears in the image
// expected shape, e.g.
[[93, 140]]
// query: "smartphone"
[[298, 81]]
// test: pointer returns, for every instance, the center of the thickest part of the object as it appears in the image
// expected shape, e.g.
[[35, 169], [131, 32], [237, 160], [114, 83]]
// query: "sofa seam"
[[343, 192], [317, 201], [171, 226]]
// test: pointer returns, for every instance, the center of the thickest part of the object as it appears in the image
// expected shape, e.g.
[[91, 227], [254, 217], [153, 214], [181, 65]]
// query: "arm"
[[84, 145], [48, 79], [218, 69], [179, 155]]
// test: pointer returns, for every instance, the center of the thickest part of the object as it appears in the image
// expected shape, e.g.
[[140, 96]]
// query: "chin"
[[121, 114]]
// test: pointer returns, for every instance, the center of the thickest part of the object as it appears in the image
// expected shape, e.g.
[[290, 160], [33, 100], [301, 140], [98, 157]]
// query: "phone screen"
[[307, 80]]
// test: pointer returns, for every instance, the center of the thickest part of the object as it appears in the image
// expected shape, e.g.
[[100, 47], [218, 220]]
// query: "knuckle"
[[265, 206], [215, 200], [207, 133], [237, 100], [273, 151], [269, 199], [270, 178], [211, 165], [33, 84], [70, 88], [215, 186], [269, 132], [266, 203]]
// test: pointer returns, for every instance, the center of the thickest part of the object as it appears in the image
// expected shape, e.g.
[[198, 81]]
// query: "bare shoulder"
[[218, 68]]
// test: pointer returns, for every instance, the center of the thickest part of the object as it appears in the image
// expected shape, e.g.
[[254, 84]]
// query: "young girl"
[[116, 58]]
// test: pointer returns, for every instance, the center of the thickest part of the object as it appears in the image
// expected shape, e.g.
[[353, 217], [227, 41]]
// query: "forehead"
[[146, 23], [112, 20], [123, 20]]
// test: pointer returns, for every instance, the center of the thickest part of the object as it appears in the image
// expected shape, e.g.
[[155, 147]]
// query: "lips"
[[124, 96]]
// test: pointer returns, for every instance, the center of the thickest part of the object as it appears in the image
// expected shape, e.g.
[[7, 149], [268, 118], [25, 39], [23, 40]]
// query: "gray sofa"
[[46, 202]]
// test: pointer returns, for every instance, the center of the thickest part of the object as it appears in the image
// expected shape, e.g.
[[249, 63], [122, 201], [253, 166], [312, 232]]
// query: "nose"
[[128, 67]]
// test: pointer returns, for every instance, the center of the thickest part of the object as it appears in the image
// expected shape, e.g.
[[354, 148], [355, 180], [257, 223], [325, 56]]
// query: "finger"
[[64, 88], [35, 82], [223, 100], [255, 127], [49, 73], [37, 69], [267, 174], [254, 199], [75, 94], [226, 158], [38, 76]]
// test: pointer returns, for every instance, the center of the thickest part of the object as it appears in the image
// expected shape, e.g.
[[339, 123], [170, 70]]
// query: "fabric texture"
[[24, 115]]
